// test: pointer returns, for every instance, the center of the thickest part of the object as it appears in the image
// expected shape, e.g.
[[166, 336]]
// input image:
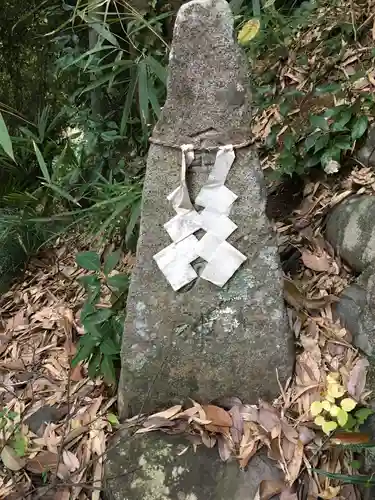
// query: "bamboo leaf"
[[5, 140], [129, 101], [42, 164], [159, 70], [143, 95]]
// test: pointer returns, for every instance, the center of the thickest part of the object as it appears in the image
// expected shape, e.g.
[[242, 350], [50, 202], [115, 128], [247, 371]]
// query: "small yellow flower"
[[326, 405], [248, 31], [330, 398], [334, 410], [330, 493], [348, 404], [333, 377], [316, 408], [329, 427], [335, 390], [342, 417], [319, 420]]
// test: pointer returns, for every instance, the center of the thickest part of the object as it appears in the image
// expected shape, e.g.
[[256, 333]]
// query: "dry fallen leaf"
[[171, 412], [306, 435], [330, 493], [208, 440], [63, 494], [70, 460], [217, 416], [357, 378], [295, 298], [11, 460], [225, 448], [236, 429], [46, 461], [294, 466], [269, 488], [76, 374], [287, 494], [269, 418], [315, 262]]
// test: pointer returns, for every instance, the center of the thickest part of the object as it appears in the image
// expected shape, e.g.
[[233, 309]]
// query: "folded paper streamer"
[[216, 199]]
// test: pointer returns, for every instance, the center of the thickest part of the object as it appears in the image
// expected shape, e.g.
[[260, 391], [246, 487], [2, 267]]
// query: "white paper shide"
[[222, 258]]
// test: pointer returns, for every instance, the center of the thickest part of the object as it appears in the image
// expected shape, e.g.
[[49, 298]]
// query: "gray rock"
[[366, 154], [204, 342], [357, 313], [149, 467], [351, 230]]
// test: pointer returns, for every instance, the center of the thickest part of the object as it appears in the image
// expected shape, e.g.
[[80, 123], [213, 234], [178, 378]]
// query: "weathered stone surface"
[[351, 231], [204, 342], [148, 467], [357, 313], [366, 154]]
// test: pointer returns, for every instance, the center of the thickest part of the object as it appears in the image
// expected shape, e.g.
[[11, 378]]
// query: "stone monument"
[[197, 338]]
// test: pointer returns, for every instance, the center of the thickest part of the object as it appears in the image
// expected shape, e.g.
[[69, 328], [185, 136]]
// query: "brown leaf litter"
[[39, 333]]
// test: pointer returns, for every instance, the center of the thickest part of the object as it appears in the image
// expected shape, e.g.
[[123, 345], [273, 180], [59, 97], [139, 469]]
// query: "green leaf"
[[100, 27], [312, 161], [339, 127], [89, 281], [111, 261], [330, 154], [108, 369], [343, 142], [271, 138], [319, 122], [95, 330], [355, 464], [5, 140], [310, 140], [284, 108], [369, 480], [86, 348], [363, 414], [289, 141], [62, 193], [119, 281], [143, 95], [359, 127], [109, 347], [133, 220], [87, 310], [155, 105], [99, 316], [344, 117], [321, 142], [94, 364], [129, 100], [159, 70], [351, 423], [330, 88], [112, 419], [19, 444], [88, 260], [42, 164]]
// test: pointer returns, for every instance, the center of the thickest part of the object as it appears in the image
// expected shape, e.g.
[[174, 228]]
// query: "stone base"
[[149, 467]]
